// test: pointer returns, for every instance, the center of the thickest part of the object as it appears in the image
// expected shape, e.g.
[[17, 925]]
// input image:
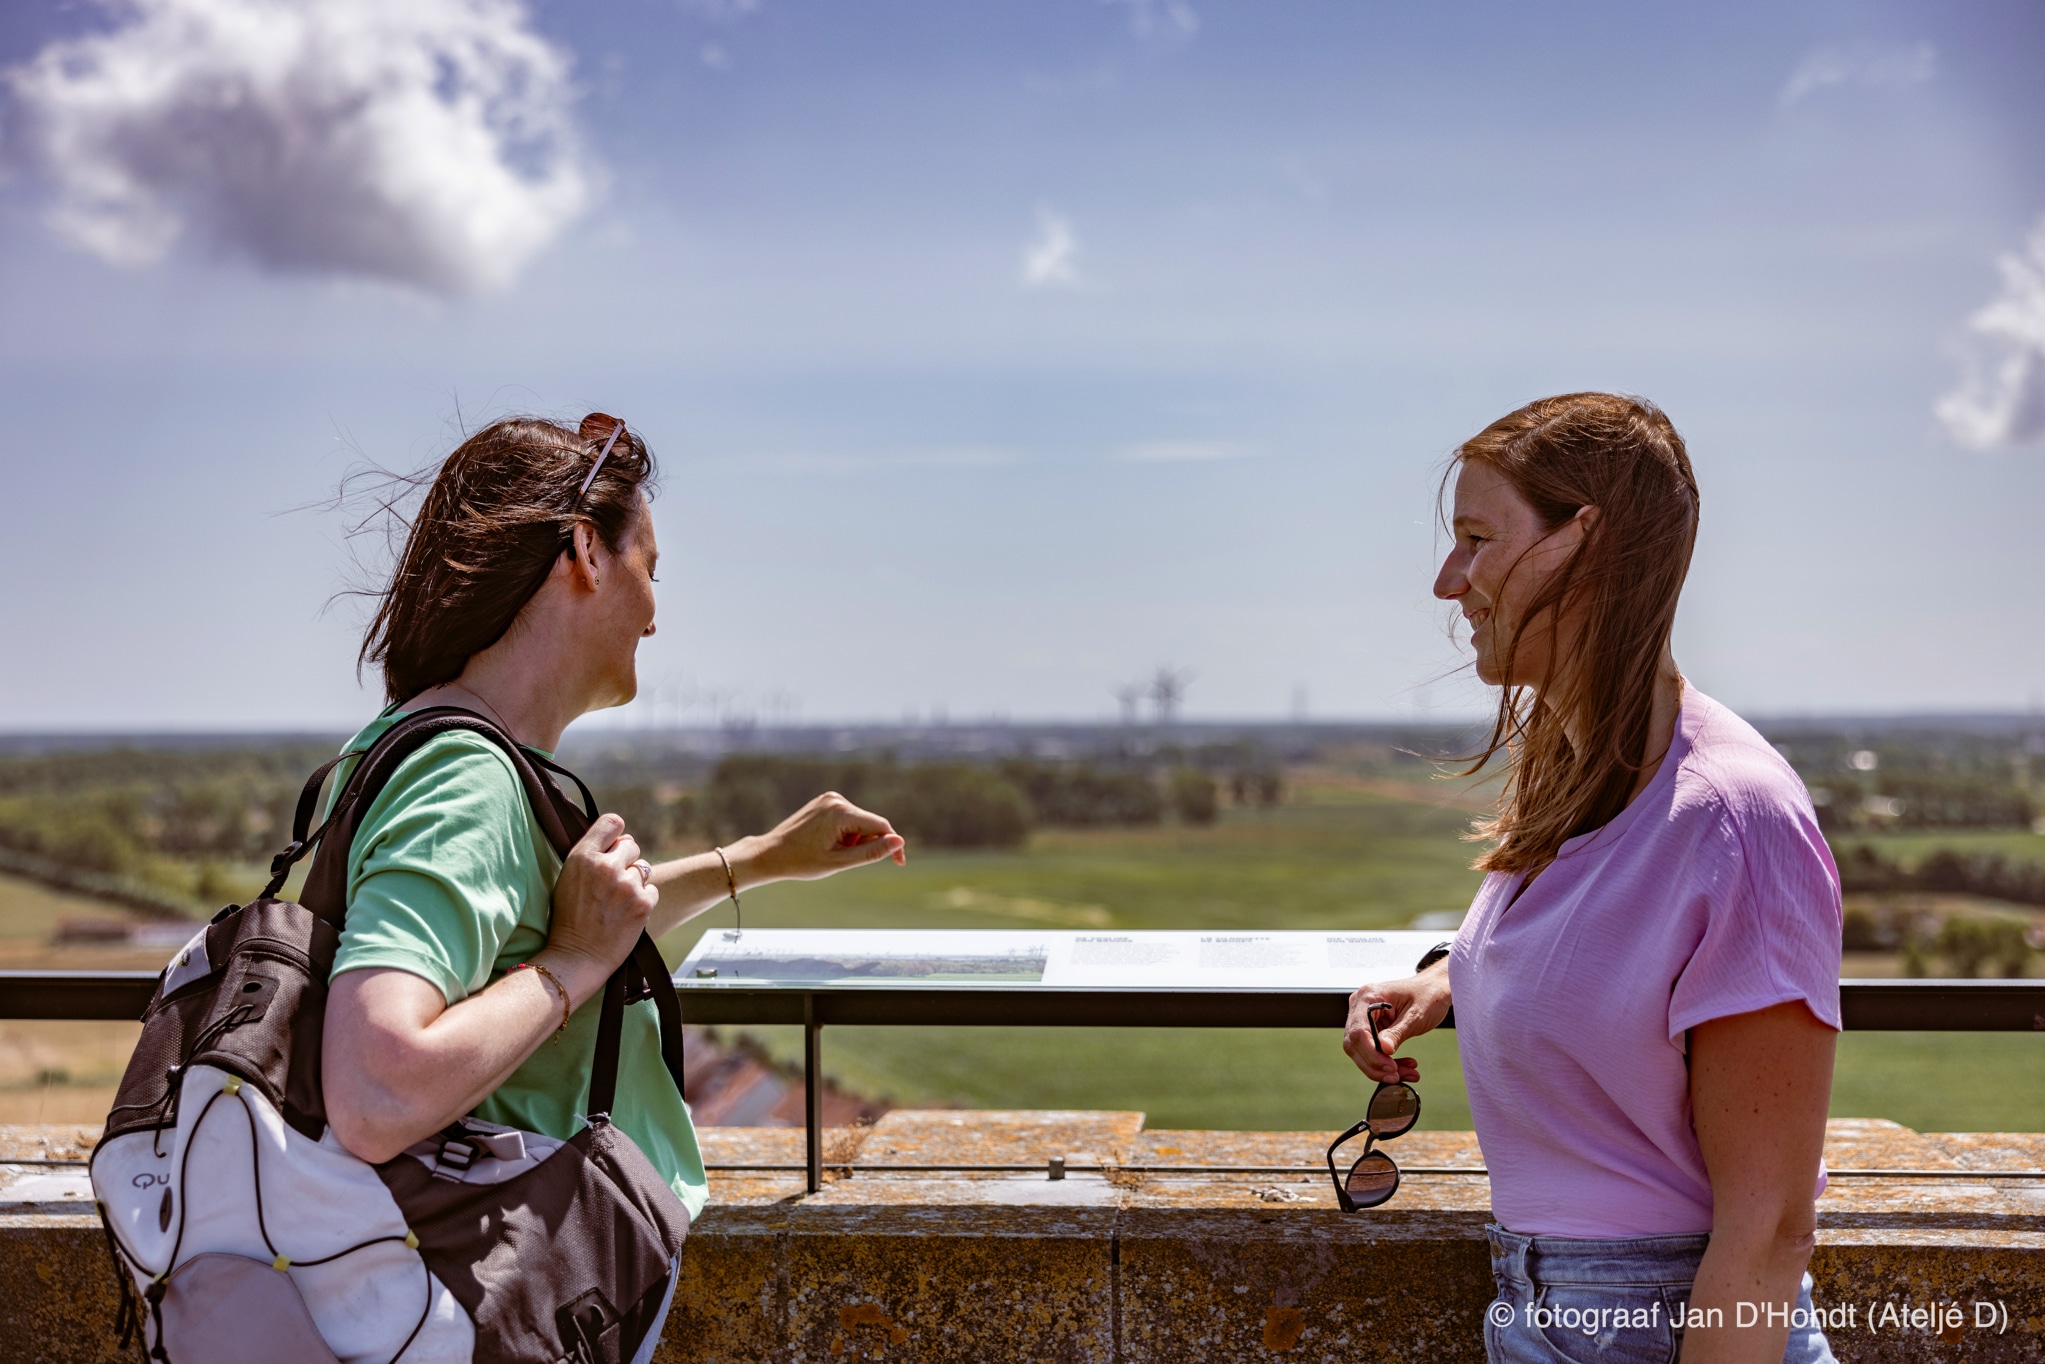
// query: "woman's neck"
[[1666, 708], [1661, 723], [529, 697]]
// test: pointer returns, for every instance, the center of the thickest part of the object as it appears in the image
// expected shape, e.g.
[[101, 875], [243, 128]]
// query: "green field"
[[2019, 845], [1330, 860], [1339, 860]]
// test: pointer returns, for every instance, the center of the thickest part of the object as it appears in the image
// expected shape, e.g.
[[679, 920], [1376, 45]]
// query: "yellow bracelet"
[[551, 979]]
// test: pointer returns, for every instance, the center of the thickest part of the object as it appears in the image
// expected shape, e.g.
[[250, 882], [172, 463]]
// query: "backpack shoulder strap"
[[326, 886], [642, 975]]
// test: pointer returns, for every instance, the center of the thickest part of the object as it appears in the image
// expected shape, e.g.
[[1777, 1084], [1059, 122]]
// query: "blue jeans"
[[1564, 1300]]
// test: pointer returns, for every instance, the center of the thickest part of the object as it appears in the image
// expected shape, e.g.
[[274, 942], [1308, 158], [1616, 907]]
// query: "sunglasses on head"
[[1393, 1110], [593, 426]]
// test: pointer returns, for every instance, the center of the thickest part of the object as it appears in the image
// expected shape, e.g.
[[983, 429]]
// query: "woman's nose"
[[1451, 582]]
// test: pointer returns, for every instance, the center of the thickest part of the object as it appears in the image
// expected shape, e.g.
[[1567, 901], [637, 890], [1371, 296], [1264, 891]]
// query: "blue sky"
[[999, 352]]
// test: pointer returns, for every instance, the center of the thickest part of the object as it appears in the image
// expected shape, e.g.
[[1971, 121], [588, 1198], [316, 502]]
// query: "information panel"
[[1201, 960]]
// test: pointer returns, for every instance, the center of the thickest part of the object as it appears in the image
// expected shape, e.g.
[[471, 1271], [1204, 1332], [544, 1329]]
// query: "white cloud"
[[2001, 400], [1164, 22], [1049, 259], [1179, 452], [426, 142], [1868, 65], [715, 57]]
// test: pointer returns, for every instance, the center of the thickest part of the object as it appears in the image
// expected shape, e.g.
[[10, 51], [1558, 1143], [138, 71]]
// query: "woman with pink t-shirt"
[[1646, 988]]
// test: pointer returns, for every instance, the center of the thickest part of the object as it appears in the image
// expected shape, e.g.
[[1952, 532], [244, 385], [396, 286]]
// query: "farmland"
[[1359, 840], [1329, 858]]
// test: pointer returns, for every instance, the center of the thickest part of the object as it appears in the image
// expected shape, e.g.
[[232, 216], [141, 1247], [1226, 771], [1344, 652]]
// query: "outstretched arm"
[[826, 836]]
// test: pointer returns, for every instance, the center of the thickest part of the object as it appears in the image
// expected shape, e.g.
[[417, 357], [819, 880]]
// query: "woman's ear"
[[582, 551], [1571, 534]]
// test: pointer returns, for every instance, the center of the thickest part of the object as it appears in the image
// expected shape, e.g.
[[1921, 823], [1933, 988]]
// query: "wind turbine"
[[1167, 689]]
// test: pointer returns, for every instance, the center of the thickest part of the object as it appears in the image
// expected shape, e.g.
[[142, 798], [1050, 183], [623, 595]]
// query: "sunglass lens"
[[1372, 1180], [1393, 1110]]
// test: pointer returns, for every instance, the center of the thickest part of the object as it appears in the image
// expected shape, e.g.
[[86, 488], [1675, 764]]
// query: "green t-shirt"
[[451, 879]]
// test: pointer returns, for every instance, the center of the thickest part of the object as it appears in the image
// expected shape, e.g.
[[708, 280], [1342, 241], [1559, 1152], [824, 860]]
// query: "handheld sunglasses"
[[1393, 1110]]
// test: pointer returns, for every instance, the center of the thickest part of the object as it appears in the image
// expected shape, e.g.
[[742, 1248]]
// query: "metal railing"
[[1865, 1006]]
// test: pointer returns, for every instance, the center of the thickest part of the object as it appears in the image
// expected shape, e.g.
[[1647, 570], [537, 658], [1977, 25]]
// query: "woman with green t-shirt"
[[471, 949]]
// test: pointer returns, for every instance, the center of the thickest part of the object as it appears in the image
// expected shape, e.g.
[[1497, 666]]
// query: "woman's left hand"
[[826, 836]]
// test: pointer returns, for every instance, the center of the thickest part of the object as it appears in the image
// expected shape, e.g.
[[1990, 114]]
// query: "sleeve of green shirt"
[[446, 869]]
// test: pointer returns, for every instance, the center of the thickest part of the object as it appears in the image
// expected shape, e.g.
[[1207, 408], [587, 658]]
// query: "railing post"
[[812, 1093]]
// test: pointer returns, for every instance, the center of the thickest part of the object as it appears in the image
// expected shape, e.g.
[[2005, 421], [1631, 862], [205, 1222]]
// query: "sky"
[[999, 353]]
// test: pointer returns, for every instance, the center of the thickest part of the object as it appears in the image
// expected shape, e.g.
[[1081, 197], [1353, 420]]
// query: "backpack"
[[243, 1232]]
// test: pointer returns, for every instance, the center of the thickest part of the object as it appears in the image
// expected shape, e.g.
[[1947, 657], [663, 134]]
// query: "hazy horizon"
[[597, 725]]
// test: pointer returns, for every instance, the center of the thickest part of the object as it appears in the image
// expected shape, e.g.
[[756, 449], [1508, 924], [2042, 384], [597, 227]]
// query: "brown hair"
[[497, 515], [1619, 587]]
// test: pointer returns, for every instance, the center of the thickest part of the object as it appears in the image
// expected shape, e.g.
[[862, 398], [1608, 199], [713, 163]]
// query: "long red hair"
[[1618, 592]]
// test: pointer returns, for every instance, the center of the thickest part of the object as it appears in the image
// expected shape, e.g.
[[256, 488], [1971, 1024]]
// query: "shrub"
[[207, 819], [1869, 932], [1195, 798], [1944, 871], [947, 805], [211, 884], [750, 792], [1263, 785], [1965, 944], [1080, 795], [95, 832], [953, 805], [653, 821], [741, 805], [1957, 802], [1970, 944]]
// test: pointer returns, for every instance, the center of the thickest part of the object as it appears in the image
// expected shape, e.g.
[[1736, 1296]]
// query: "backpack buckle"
[[282, 860], [637, 988], [457, 1154], [505, 1146]]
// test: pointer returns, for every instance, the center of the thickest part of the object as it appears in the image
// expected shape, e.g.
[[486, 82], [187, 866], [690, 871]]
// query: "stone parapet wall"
[[1114, 1263]]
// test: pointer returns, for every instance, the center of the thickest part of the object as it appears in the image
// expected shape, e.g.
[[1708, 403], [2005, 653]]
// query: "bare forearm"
[[826, 836], [690, 885], [389, 1086], [1759, 1083], [1746, 1288]]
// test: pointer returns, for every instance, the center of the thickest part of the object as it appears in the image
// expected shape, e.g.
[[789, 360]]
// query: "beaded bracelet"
[[551, 979]]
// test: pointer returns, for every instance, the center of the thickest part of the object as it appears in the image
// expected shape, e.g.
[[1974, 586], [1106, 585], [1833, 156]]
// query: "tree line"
[[1944, 871], [943, 804], [158, 827], [1923, 801]]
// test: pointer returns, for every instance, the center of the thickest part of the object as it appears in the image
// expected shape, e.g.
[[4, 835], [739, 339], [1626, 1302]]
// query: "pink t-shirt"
[[1712, 894]]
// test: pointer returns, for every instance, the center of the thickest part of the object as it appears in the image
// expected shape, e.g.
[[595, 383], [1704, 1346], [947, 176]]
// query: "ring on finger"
[[645, 870]]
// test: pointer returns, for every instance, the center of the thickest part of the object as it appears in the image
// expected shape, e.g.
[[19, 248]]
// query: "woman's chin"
[[623, 694]]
